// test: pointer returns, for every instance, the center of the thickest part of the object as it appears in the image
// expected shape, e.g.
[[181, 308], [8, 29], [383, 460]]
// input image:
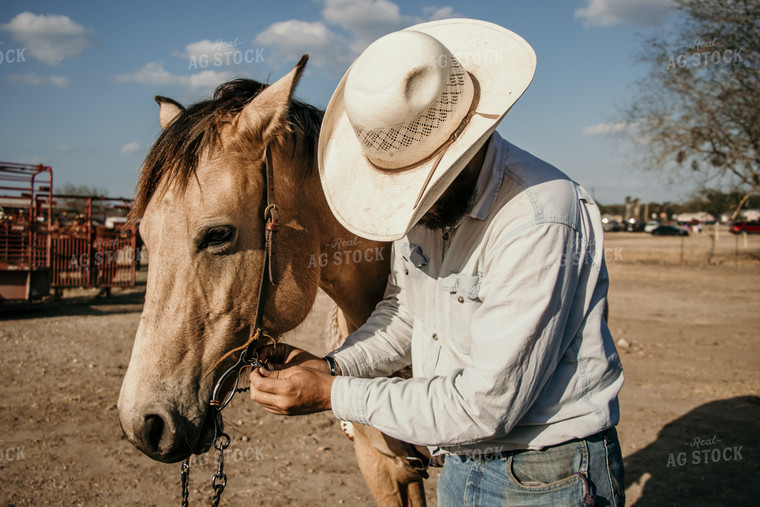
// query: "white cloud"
[[60, 81], [604, 129], [32, 79], [155, 74], [152, 73], [209, 49], [291, 39], [130, 148], [435, 13], [636, 12], [364, 20], [50, 38], [367, 20], [208, 79]]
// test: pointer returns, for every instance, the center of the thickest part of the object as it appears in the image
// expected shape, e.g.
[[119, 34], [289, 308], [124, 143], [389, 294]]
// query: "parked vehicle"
[[651, 225], [669, 230], [745, 227], [611, 225], [634, 225]]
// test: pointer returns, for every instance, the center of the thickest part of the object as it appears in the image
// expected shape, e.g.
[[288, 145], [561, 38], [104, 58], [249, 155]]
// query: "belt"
[[485, 456]]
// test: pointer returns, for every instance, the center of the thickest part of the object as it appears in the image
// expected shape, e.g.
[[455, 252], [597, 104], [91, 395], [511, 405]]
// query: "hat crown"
[[404, 96]]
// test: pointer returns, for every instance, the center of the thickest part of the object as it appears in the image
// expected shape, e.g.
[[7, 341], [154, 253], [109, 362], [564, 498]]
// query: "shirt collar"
[[490, 178]]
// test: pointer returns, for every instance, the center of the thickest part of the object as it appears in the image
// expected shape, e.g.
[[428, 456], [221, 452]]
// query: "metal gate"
[[85, 255], [25, 211], [42, 248]]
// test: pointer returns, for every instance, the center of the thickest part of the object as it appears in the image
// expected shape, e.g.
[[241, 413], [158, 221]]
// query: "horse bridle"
[[248, 356]]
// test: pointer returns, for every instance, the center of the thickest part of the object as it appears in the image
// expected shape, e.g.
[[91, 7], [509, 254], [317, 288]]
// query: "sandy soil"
[[687, 333]]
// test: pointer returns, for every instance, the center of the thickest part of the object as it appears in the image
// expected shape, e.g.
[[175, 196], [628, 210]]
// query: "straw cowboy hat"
[[409, 114]]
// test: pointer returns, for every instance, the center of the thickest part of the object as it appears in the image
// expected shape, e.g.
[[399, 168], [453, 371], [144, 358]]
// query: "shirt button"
[[460, 299], [435, 336], [406, 271]]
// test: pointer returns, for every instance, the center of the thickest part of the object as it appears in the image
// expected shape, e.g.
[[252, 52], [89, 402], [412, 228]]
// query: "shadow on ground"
[[120, 301], [707, 457]]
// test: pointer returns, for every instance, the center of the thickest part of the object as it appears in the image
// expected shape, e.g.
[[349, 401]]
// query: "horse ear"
[[269, 109], [169, 110]]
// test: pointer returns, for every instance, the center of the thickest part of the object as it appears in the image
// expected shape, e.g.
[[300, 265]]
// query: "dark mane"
[[175, 154]]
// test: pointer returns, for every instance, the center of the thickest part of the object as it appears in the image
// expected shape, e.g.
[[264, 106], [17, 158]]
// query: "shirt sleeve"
[[518, 337], [382, 345]]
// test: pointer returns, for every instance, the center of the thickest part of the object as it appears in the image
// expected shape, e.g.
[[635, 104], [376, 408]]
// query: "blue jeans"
[[561, 475]]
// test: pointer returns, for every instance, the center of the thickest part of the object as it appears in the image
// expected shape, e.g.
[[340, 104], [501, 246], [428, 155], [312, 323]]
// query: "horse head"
[[202, 200]]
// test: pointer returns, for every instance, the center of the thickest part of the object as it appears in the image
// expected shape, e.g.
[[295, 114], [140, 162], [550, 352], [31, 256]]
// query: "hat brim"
[[379, 205]]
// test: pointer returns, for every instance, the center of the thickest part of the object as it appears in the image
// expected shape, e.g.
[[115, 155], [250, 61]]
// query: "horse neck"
[[355, 274], [353, 271]]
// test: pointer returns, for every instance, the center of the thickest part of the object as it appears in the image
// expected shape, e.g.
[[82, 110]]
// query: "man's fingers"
[[265, 353], [269, 393], [273, 353], [267, 381], [270, 402]]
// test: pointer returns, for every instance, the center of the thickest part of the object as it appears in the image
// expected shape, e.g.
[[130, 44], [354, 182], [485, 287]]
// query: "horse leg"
[[382, 461]]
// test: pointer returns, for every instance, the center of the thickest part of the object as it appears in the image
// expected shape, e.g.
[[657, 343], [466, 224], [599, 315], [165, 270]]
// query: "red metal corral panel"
[[70, 261], [58, 241], [115, 254]]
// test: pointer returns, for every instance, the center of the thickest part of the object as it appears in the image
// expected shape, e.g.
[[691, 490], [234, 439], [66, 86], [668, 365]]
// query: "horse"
[[201, 198]]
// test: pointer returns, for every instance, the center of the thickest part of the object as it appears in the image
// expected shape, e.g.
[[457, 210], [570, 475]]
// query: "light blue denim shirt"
[[501, 318]]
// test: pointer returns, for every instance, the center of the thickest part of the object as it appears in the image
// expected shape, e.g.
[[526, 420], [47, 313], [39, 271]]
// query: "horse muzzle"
[[165, 435]]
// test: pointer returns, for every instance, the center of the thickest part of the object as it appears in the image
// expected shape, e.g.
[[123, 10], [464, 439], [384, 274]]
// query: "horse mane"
[[177, 151]]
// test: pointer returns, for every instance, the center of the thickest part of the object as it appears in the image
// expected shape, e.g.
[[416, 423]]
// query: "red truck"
[[745, 227]]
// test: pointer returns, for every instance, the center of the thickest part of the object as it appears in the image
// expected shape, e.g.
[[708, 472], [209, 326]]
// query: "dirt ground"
[[687, 333]]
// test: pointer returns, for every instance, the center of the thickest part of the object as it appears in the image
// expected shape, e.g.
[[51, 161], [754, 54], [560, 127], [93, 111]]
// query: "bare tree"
[[697, 112], [83, 191]]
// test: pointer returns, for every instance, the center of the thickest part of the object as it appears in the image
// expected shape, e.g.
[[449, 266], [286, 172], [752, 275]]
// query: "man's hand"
[[282, 355], [293, 390]]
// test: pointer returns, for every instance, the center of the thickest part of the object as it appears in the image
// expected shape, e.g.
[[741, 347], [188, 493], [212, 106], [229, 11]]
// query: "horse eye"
[[216, 237]]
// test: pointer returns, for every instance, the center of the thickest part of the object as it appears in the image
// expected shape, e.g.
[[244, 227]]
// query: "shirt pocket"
[[460, 300]]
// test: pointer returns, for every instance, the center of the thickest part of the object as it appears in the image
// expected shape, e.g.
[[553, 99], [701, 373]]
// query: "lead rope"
[[221, 439]]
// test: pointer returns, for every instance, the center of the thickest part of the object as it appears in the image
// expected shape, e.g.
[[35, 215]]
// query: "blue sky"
[[78, 94]]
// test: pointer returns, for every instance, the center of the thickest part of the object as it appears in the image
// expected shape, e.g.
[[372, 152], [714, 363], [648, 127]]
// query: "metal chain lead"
[[185, 478], [219, 481], [221, 442]]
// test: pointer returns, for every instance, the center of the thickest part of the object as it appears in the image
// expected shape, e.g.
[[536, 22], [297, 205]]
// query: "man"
[[498, 281]]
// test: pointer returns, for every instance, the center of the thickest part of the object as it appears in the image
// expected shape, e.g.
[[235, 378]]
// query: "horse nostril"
[[153, 431]]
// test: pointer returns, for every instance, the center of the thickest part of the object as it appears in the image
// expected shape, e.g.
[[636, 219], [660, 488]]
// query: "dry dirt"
[[688, 335]]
